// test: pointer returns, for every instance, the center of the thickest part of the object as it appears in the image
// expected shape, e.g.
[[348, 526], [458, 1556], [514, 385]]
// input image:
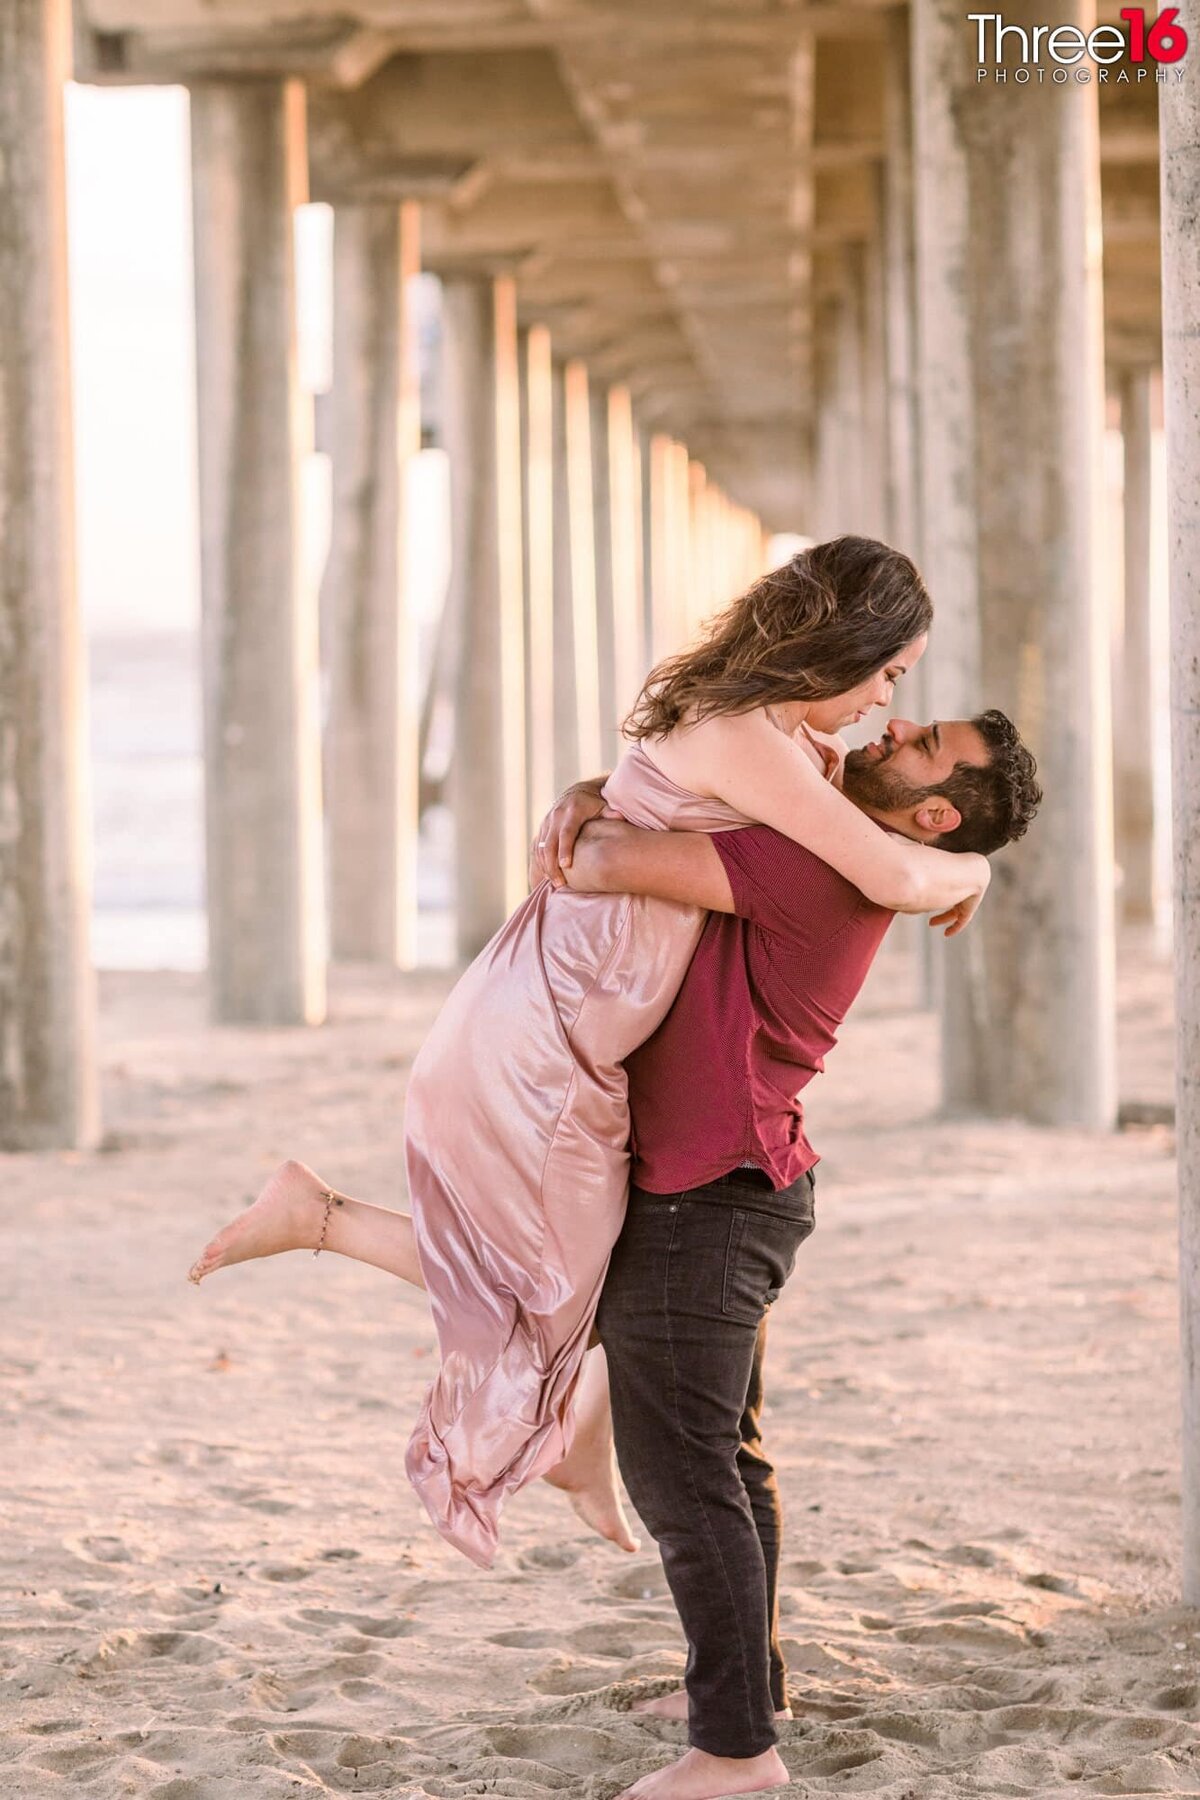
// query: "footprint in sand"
[[830, 1704], [323, 1742], [319, 1620], [189, 1608], [570, 1675], [133, 1649], [904, 1728], [373, 1763], [804, 1569], [362, 1691], [976, 1635], [645, 1581], [183, 1453], [1093, 1726], [971, 1556], [78, 1762], [87, 1599], [281, 1572], [570, 1749], [1178, 1699], [271, 1692], [189, 1787], [307, 1687], [1052, 1584], [524, 1640], [992, 1689], [623, 1638], [170, 1747], [807, 1657], [548, 1556], [964, 1609], [618, 1640], [99, 1548], [256, 1500], [836, 1752]]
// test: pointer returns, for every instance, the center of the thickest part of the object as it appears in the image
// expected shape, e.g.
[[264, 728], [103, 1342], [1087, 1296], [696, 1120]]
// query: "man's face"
[[895, 779]]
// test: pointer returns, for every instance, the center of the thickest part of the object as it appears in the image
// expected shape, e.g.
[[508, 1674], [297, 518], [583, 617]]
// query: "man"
[[722, 1193]]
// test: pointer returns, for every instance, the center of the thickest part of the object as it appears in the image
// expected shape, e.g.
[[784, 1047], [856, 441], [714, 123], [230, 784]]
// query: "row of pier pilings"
[[585, 545]]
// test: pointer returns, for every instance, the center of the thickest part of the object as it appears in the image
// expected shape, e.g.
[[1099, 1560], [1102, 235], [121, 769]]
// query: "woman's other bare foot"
[[588, 1472], [675, 1706], [597, 1502], [699, 1776], [287, 1215]]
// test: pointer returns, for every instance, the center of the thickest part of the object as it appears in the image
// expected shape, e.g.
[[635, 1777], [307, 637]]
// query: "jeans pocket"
[[761, 1254]]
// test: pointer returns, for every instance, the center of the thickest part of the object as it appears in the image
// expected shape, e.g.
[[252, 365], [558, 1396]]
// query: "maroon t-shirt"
[[718, 1084]]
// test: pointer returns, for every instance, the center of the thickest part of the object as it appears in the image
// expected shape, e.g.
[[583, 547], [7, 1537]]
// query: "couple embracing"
[[607, 1164]]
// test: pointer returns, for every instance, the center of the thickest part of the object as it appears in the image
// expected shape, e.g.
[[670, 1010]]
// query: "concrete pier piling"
[[373, 732], [48, 1087], [259, 617], [1179, 112], [1133, 725], [537, 469], [1011, 430], [483, 441]]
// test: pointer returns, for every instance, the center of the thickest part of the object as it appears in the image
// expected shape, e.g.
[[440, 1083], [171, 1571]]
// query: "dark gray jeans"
[[683, 1321]]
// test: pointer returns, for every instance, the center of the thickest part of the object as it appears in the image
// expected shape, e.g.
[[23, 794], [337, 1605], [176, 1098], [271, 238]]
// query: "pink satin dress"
[[518, 1166]]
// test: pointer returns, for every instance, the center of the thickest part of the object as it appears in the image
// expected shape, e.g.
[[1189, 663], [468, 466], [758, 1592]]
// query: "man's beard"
[[871, 784]]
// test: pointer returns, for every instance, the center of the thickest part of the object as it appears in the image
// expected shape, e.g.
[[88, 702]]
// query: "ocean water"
[[146, 777]]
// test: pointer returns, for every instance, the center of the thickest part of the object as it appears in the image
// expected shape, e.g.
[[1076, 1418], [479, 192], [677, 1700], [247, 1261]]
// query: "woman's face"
[[841, 710]]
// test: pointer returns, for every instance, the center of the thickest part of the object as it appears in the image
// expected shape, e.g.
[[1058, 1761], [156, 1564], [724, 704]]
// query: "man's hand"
[[553, 847]]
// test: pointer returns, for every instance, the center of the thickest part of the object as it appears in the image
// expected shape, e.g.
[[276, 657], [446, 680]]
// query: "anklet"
[[330, 1199]]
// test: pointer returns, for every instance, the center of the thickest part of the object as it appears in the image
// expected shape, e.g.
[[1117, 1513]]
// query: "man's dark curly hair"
[[998, 801]]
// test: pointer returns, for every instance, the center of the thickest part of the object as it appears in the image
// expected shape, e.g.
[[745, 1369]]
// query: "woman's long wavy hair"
[[825, 621]]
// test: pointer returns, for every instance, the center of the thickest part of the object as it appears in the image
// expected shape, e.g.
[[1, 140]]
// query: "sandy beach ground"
[[217, 1584]]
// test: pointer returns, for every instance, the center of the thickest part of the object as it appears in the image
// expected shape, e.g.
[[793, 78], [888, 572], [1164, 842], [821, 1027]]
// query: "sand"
[[217, 1584]]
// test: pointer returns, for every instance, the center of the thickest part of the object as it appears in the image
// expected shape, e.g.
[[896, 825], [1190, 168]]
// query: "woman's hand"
[[957, 918], [552, 849]]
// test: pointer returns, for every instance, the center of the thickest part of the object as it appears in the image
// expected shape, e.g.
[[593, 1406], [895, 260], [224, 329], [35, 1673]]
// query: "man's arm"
[[611, 857]]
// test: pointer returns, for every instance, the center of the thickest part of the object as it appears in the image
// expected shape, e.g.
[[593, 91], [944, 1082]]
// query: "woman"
[[517, 1116]]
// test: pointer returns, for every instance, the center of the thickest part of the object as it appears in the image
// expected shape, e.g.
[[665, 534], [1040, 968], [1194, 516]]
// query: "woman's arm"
[[744, 760]]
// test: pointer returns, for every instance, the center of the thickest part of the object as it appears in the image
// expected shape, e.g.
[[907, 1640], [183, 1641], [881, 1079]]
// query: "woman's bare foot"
[[699, 1776], [597, 1501], [588, 1472], [287, 1215], [675, 1706]]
